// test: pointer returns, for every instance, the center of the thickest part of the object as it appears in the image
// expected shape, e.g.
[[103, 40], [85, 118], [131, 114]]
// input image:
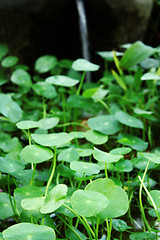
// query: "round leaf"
[[27, 192], [54, 199], [27, 124], [84, 65], [48, 123], [36, 154], [45, 63], [29, 231], [68, 155], [88, 203], [61, 80], [52, 139], [9, 108], [32, 203], [96, 137], [21, 77], [119, 225], [45, 89], [142, 236], [8, 165], [102, 156], [5, 206], [155, 194], [9, 61], [121, 151], [124, 165], [128, 120], [132, 141], [84, 152], [153, 157], [117, 197], [105, 124], [85, 167]]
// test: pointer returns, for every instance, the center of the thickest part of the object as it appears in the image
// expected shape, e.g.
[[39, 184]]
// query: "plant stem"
[[52, 172], [150, 197], [69, 226], [140, 198], [80, 182], [81, 83], [104, 104], [44, 108], [106, 174], [87, 227], [97, 228], [34, 169]]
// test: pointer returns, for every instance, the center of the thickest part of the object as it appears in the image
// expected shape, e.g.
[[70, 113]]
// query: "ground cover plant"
[[80, 160]]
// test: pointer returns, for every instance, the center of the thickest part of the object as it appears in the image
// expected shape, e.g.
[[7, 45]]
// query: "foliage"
[[79, 160]]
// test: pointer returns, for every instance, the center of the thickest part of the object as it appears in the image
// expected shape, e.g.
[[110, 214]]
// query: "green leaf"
[[121, 150], [84, 65], [8, 165], [52, 139], [55, 198], [105, 124], [102, 156], [85, 167], [68, 155], [61, 80], [72, 235], [132, 141], [5, 206], [9, 61], [65, 171], [119, 80], [44, 89], [108, 55], [29, 231], [119, 225], [36, 154], [117, 197], [142, 236], [96, 137], [45, 63], [3, 50], [155, 194], [48, 123], [24, 174], [27, 124], [10, 108], [88, 203], [153, 157], [128, 120], [77, 134], [21, 78], [150, 76], [27, 192], [32, 203], [84, 152], [124, 165], [136, 54]]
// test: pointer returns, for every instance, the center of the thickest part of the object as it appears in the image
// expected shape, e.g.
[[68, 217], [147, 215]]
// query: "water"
[[84, 33]]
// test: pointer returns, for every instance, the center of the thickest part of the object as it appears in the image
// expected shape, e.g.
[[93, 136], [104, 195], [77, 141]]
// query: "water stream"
[[84, 33]]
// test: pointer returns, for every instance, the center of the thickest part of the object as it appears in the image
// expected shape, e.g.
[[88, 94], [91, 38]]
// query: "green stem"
[[150, 197], [140, 198], [44, 108], [81, 83], [69, 226], [106, 174], [52, 172], [10, 199], [97, 228], [104, 104], [34, 169], [108, 230], [82, 221], [80, 182]]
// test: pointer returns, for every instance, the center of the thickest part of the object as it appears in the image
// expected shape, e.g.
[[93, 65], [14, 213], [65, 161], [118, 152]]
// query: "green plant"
[[79, 160]]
